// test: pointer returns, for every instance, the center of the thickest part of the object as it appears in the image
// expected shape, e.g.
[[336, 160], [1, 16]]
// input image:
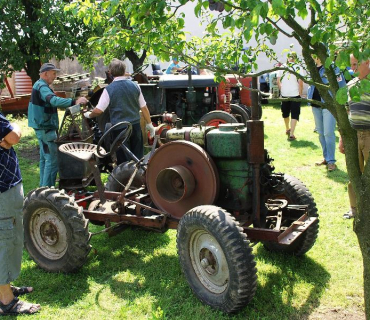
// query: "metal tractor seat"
[[87, 152], [82, 151]]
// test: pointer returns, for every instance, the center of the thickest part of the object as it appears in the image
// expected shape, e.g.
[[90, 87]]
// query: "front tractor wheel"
[[216, 259], [55, 230], [295, 192]]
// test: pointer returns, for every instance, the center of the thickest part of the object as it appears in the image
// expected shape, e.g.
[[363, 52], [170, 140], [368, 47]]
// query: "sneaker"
[[332, 167], [349, 214]]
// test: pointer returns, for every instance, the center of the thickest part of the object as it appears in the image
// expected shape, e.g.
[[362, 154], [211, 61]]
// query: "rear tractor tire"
[[297, 193], [55, 230], [216, 259], [122, 173]]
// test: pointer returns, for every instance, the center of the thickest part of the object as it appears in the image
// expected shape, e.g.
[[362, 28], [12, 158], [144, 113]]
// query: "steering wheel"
[[121, 138], [140, 69]]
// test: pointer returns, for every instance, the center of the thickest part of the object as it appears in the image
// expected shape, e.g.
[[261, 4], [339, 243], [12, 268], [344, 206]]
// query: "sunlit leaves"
[[330, 5], [355, 93], [365, 85], [279, 7], [342, 95]]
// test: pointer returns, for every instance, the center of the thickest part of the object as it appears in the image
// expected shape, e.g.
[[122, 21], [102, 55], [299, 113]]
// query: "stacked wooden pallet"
[[72, 83]]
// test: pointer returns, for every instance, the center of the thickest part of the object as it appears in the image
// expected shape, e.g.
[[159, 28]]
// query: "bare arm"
[[12, 137], [146, 114], [279, 83], [300, 87], [95, 113]]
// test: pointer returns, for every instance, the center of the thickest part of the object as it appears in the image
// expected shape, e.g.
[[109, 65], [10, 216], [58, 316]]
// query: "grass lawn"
[[136, 274]]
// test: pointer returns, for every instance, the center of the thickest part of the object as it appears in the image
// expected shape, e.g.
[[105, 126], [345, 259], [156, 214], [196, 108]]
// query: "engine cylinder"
[[228, 141]]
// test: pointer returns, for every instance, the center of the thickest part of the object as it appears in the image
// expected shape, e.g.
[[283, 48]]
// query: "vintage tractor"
[[216, 186], [195, 98]]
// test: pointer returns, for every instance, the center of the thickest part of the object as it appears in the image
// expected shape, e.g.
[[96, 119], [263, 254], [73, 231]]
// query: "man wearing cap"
[[43, 118], [173, 67]]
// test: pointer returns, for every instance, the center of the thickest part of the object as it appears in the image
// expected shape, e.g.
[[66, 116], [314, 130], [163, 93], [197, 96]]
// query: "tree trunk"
[[33, 69], [135, 59], [361, 228]]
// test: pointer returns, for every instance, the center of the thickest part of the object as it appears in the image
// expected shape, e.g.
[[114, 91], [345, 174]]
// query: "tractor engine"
[[227, 147]]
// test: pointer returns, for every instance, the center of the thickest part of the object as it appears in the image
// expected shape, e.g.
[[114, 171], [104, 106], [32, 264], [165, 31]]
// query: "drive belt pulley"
[[181, 176]]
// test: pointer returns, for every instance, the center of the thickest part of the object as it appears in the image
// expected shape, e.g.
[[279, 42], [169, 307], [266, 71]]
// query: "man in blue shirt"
[[11, 223], [43, 118]]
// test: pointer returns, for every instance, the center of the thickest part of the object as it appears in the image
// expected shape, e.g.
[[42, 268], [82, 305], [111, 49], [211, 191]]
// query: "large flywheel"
[[181, 176]]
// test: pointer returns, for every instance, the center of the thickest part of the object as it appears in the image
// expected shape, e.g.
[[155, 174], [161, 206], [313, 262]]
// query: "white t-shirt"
[[289, 82]]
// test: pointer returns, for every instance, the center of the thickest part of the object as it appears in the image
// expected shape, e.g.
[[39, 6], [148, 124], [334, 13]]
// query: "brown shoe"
[[332, 167], [321, 163]]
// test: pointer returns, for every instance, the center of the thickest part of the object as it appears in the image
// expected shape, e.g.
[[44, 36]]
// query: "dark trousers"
[[134, 143]]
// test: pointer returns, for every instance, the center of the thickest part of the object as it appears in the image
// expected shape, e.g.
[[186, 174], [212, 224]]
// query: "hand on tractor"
[[82, 100], [87, 114], [150, 128]]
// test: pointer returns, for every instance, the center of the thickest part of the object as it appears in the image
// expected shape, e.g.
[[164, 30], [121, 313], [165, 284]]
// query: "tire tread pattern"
[[75, 222], [223, 226], [298, 193]]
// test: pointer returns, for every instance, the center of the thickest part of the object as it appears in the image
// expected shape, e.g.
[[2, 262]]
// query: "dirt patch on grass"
[[337, 314], [29, 152]]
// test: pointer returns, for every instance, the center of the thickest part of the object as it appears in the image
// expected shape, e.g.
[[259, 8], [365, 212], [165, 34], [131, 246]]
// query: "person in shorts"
[[290, 87]]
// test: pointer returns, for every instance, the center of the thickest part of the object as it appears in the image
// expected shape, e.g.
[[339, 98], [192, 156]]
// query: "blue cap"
[[175, 59]]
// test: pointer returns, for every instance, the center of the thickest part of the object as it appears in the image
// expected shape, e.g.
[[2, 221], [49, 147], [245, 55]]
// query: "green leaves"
[[355, 93], [278, 7], [342, 95], [365, 85]]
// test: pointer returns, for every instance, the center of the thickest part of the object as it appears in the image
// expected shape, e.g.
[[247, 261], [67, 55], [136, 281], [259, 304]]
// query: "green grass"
[[136, 274]]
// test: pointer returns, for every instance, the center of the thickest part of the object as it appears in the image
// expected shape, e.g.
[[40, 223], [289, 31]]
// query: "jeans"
[[325, 125], [48, 157]]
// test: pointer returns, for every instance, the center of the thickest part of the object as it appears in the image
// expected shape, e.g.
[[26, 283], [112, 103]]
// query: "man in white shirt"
[[290, 87], [125, 100]]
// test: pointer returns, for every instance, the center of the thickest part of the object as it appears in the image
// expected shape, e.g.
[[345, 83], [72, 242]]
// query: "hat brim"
[[53, 69]]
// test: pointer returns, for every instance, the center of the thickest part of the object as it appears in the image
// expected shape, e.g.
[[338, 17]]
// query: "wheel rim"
[[215, 122], [209, 261], [48, 233]]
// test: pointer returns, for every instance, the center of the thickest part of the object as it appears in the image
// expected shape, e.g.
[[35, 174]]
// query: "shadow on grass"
[[138, 266], [300, 143], [108, 257], [135, 270], [277, 295]]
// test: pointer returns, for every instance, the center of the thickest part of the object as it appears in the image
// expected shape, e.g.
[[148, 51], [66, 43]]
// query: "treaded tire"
[[242, 111], [209, 234], [55, 231], [216, 117], [123, 173], [297, 193]]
